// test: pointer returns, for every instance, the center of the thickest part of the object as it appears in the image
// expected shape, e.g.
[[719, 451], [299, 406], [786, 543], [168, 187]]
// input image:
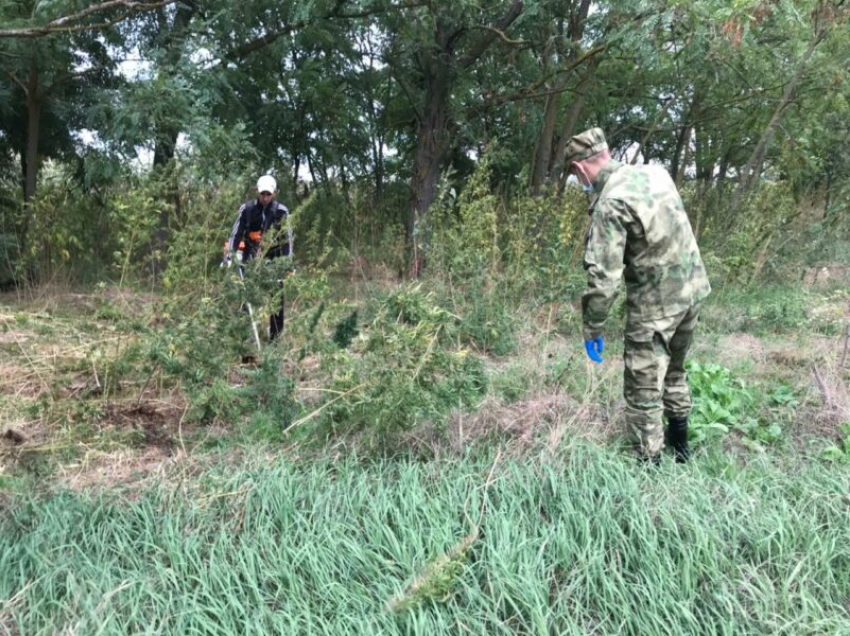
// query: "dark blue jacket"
[[253, 222]]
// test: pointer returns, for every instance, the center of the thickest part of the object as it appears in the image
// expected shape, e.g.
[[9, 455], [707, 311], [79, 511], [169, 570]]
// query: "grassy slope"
[[746, 540], [585, 542]]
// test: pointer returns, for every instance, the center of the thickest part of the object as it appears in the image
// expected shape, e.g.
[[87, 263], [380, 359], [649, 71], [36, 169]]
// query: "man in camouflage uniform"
[[639, 228]]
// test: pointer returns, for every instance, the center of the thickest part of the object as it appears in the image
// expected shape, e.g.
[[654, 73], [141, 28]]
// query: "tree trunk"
[[163, 150], [543, 148], [558, 168], [432, 123], [543, 156], [545, 160], [296, 166], [753, 165], [682, 152], [34, 108], [378, 159], [431, 146], [703, 162]]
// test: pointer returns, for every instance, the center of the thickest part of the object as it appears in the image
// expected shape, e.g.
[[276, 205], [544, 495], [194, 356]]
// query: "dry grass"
[[832, 383], [741, 347], [126, 467], [826, 276], [544, 419], [54, 363]]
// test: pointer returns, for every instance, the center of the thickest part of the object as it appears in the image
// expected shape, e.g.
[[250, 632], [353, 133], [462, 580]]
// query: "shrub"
[[404, 369]]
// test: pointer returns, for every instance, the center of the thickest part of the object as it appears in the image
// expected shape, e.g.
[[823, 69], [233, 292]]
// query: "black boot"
[[677, 439]]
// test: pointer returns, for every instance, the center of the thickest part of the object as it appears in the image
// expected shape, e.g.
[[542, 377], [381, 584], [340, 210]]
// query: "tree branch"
[[531, 92], [337, 12], [70, 23], [400, 80], [484, 43], [18, 82], [501, 35]]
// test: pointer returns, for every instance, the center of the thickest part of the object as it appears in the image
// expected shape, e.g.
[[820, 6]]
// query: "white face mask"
[[587, 187]]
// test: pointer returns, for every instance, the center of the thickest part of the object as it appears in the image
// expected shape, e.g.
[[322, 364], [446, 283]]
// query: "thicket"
[[385, 357]]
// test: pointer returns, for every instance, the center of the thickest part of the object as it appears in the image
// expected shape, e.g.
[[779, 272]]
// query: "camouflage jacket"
[[638, 224]]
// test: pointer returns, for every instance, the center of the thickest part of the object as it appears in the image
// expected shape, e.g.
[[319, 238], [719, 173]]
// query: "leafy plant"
[[720, 401], [840, 451], [346, 330]]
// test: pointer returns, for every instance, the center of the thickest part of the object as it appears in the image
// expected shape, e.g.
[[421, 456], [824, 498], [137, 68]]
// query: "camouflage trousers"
[[654, 380]]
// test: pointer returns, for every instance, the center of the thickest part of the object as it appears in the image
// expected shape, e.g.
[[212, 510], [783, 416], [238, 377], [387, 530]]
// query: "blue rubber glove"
[[595, 348]]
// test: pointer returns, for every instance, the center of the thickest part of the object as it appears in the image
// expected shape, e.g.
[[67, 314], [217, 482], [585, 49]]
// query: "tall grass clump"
[[583, 542], [494, 255]]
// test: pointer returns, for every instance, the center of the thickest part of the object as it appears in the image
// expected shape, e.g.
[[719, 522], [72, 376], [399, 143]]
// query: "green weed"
[[840, 451], [720, 401], [405, 369]]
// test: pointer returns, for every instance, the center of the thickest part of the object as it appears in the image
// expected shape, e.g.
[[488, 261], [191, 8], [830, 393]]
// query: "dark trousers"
[[276, 317]]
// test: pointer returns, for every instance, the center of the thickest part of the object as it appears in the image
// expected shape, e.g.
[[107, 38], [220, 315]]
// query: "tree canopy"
[[355, 97]]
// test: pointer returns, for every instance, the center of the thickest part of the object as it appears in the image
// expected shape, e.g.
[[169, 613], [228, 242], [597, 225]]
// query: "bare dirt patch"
[[826, 275], [157, 426]]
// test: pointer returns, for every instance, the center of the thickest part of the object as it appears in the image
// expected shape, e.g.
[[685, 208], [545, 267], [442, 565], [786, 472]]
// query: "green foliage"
[[401, 371], [437, 582], [268, 397], [346, 330], [317, 224], [749, 238], [765, 309], [197, 237], [487, 321], [723, 403], [720, 401], [69, 231], [199, 340], [512, 382], [526, 242], [544, 239], [840, 451]]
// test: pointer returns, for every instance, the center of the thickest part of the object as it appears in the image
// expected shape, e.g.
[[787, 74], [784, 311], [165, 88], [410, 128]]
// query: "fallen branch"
[[310, 416]]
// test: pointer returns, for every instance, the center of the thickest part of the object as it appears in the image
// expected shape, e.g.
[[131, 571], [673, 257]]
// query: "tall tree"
[[431, 47], [51, 82], [560, 51]]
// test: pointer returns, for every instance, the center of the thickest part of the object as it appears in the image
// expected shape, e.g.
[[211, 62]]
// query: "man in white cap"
[[257, 217]]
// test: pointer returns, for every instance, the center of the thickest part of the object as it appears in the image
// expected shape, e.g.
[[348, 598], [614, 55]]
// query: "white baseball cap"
[[266, 183]]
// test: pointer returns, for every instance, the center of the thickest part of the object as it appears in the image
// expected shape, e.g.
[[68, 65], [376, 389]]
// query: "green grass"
[[585, 542]]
